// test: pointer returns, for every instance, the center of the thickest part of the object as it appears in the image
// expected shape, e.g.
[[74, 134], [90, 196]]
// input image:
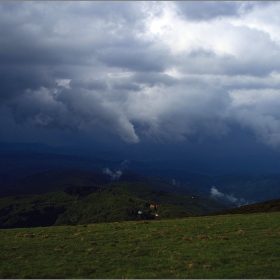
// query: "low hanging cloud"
[[216, 194], [115, 175], [175, 183], [157, 72]]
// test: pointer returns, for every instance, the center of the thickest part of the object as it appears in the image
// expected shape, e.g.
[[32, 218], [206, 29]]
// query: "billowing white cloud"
[[158, 70]]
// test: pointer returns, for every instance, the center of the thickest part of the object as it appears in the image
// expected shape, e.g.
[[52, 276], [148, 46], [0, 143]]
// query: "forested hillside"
[[107, 203]]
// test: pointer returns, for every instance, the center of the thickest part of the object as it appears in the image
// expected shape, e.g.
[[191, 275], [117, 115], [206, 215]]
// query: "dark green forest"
[[119, 201]]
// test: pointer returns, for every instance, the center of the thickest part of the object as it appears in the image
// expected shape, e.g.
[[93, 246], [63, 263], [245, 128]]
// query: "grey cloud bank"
[[141, 71]]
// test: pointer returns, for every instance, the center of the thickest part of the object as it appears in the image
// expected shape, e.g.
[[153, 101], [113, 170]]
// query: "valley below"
[[73, 217]]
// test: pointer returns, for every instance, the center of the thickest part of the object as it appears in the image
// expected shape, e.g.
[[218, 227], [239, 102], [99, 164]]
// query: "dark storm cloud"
[[137, 70], [15, 79], [229, 65], [39, 49], [193, 10], [69, 109], [152, 79], [127, 86], [35, 34], [92, 84], [193, 112], [128, 12], [141, 80], [141, 59]]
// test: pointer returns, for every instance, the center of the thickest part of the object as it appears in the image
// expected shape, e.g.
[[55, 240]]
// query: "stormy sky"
[[174, 77]]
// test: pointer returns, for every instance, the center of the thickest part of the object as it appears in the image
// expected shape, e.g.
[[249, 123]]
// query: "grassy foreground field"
[[230, 246]]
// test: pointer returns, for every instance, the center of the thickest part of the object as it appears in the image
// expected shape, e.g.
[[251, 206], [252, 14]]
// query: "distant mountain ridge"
[[20, 160], [55, 180]]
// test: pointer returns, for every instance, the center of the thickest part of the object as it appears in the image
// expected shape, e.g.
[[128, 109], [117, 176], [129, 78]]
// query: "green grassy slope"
[[228, 246]]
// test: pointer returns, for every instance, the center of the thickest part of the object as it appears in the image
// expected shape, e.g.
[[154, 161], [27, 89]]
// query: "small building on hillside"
[[154, 206]]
